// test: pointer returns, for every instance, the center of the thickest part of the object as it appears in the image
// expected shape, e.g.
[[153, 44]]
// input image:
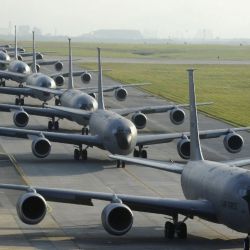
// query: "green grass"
[[164, 51], [228, 86]]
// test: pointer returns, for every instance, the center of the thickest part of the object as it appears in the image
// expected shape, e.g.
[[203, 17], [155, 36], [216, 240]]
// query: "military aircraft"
[[215, 191], [109, 131]]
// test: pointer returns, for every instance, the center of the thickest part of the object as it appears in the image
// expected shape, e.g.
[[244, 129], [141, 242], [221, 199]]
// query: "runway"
[[79, 227]]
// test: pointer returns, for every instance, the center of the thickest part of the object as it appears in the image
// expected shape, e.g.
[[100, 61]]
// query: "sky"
[[158, 18]]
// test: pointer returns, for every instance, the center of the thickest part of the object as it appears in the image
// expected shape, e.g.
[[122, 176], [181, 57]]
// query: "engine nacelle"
[[93, 95], [233, 142], [19, 57], [121, 94], [183, 148], [58, 66], [31, 208], [86, 77], [21, 118], [59, 80], [41, 147], [140, 120], [177, 116], [117, 218], [39, 56]]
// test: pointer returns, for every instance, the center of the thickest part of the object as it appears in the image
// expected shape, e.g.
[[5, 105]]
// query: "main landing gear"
[[19, 101], [120, 163], [246, 243], [140, 152], [176, 229], [85, 131], [53, 124], [80, 153], [57, 102], [2, 83]]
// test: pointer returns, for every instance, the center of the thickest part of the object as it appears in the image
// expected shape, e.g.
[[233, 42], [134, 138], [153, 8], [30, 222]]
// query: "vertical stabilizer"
[[195, 148], [70, 80], [34, 70], [100, 89], [15, 45]]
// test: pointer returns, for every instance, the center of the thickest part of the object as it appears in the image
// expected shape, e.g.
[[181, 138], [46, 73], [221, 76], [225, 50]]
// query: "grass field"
[[166, 51], [228, 86]]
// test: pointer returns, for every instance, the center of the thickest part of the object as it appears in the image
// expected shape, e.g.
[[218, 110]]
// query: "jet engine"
[[58, 66], [183, 148], [177, 116], [59, 80], [233, 142], [31, 208], [20, 118], [19, 57], [41, 147], [121, 94], [117, 218], [86, 77], [139, 119], [39, 56]]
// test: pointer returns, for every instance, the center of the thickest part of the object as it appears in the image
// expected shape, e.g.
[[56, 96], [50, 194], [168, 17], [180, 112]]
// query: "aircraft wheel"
[[181, 230], [56, 125], [169, 230], [17, 101], [136, 153], [123, 164], [118, 163], [50, 125], [22, 101], [144, 154], [83, 131], [57, 102], [86, 131], [76, 154], [84, 154]]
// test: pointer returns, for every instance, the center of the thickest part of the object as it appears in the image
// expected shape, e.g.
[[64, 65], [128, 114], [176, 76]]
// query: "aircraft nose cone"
[[124, 139]]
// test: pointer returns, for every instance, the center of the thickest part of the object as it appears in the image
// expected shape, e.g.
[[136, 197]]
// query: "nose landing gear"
[[80, 153], [140, 152]]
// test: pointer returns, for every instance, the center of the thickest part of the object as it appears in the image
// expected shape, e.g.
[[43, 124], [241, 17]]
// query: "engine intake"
[[20, 118], [183, 148], [31, 208], [140, 120], [58, 66], [41, 147], [121, 94], [233, 142], [177, 116], [86, 77], [117, 218], [59, 80]]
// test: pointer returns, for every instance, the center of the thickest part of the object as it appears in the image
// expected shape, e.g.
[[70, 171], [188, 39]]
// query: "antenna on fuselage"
[[34, 70], [15, 52], [195, 148], [70, 80], [100, 88]]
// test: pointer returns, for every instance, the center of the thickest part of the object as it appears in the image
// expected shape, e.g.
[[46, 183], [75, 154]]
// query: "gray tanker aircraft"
[[214, 191], [110, 131], [32, 79]]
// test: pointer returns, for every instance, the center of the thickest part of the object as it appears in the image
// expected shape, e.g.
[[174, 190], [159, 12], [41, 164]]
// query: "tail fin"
[[34, 70], [70, 80], [195, 148], [100, 89], [15, 55]]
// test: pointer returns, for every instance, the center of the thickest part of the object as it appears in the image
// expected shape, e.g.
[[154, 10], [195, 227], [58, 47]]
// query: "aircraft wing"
[[238, 162], [162, 165], [39, 111], [26, 91], [75, 139], [168, 137], [12, 75], [201, 208], [56, 92], [154, 109]]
